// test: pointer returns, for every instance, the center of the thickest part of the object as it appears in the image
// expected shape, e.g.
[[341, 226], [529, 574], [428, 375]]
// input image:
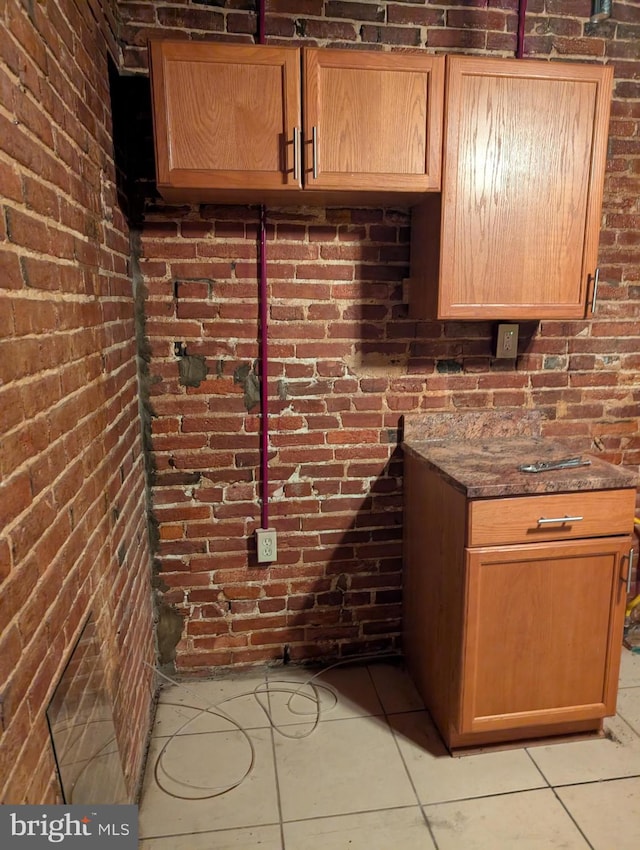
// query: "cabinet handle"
[[296, 153], [594, 298], [546, 520], [314, 149], [629, 571]]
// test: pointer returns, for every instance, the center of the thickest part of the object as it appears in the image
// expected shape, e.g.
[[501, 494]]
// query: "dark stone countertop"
[[480, 455], [489, 468]]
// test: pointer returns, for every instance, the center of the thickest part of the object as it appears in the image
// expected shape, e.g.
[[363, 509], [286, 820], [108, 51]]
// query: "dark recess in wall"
[[132, 142]]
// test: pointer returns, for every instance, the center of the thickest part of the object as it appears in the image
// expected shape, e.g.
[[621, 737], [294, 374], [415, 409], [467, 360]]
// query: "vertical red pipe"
[[264, 368], [522, 11], [264, 334]]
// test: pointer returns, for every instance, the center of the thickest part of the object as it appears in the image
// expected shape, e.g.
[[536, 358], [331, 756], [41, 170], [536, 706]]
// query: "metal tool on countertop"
[[545, 465]]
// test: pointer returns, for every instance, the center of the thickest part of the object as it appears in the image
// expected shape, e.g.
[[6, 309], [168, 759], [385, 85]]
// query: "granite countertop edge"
[[489, 468]]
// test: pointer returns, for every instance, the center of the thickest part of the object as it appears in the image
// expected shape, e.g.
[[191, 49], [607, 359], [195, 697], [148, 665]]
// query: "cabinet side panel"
[[596, 182], [425, 258], [160, 129], [433, 590]]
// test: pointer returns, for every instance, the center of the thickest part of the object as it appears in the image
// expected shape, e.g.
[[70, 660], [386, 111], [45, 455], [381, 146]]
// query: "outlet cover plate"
[[266, 545], [507, 341]]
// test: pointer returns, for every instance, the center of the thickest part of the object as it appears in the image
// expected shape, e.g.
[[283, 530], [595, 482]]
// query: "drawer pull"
[[547, 520]]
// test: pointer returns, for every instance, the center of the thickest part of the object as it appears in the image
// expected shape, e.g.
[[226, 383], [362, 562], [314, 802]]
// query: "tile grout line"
[[537, 766], [554, 788], [404, 764], [571, 817], [272, 732]]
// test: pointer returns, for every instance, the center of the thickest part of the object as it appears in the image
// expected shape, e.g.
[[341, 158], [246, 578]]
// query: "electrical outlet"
[[267, 545], [507, 344]]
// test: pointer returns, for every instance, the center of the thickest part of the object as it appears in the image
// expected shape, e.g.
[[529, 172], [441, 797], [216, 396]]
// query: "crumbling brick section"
[[73, 532], [346, 361]]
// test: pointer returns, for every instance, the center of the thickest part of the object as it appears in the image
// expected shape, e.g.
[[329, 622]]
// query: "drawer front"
[[557, 516]]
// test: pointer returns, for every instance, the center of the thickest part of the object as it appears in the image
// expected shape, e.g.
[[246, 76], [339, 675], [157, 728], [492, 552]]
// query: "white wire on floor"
[[277, 686]]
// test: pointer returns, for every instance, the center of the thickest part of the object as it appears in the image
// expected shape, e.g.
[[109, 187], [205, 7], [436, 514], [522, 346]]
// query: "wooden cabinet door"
[[543, 634], [525, 152], [225, 115], [372, 121]]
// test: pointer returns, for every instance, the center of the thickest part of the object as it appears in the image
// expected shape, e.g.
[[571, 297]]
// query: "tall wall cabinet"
[[515, 232]]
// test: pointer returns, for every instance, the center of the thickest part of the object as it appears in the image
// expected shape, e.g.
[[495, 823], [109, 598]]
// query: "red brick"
[[15, 498], [407, 36]]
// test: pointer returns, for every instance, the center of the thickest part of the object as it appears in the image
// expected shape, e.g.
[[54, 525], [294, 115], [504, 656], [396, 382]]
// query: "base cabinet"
[[516, 641]]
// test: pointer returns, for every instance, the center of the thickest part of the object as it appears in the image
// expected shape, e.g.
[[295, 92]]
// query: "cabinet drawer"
[[521, 519]]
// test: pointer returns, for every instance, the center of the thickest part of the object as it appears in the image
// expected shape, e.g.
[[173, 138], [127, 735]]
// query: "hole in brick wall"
[[192, 370], [132, 139], [83, 735]]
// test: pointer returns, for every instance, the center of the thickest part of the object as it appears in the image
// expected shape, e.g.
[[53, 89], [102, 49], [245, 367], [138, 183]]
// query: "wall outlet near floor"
[[267, 545], [507, 342]]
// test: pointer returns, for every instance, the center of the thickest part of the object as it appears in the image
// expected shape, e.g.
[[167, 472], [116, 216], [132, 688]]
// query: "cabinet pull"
[[594, 298], [629, 571], [546, 520], [296, 153], [314, 149]]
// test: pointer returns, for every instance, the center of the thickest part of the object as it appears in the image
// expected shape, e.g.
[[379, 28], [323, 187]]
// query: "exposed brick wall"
[[73, 532], [340, 377], [346, 361]]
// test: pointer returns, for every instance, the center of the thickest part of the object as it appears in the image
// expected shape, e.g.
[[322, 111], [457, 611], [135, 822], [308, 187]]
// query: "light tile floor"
[[372, 772]]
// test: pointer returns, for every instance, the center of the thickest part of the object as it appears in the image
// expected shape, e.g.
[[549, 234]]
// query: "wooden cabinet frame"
[[372, 121]]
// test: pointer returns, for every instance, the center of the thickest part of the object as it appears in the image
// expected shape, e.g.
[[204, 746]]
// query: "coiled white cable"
[[293, 689]]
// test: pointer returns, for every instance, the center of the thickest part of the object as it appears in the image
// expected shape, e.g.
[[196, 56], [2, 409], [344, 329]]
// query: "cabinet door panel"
[[224, 115], [522, 187], [378, 120], [543, 635]]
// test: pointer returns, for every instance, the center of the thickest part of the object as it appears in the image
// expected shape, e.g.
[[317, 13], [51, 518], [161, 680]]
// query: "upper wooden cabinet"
[[224, 117], [228, 123], [372, 121], [515, 231]]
